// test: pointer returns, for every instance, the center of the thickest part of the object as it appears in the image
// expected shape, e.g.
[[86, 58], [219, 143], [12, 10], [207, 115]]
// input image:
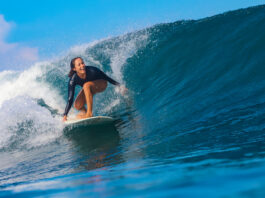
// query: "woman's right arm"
[[71, 93]]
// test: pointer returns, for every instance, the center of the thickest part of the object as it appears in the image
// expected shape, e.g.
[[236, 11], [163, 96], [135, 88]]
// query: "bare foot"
[[81, 113], [82, 116]]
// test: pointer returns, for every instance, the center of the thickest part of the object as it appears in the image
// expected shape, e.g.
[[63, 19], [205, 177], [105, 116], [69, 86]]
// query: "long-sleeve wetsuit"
[[92, 73]]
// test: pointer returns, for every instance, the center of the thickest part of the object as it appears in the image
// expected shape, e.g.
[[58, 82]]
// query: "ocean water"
[[191, 125]]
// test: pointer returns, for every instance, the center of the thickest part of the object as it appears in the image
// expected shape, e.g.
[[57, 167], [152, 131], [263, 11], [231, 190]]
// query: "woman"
[[92, 80]]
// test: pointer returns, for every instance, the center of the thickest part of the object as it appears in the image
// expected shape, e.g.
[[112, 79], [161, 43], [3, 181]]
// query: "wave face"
[[192, 122]]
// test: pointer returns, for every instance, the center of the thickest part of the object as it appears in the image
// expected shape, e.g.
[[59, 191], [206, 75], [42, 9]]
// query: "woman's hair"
[[72, 65]]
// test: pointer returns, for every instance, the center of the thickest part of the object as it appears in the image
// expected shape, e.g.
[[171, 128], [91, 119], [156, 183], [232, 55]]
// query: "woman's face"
[[79, 66]]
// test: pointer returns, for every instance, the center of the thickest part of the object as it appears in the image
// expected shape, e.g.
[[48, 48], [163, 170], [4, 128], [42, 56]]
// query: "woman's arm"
[[122, 89], [107, 78], [71, 93]]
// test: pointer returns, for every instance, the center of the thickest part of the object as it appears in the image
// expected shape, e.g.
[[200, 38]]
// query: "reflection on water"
[[97, 145]]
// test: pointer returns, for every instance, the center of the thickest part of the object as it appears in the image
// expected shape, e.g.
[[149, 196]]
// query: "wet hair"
[[72, 66]]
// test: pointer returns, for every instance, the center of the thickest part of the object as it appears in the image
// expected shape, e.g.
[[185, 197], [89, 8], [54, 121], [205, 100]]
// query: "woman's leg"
[[88, 93], [86, 96], [90, 89], [80, 102]]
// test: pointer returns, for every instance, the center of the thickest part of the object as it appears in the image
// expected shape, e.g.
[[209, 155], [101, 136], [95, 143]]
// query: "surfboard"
[[92, 121]]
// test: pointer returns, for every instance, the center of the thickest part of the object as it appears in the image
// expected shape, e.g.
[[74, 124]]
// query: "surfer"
[[93, 81]]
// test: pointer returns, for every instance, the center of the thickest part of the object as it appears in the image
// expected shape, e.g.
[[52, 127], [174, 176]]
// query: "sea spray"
[[25, 124]]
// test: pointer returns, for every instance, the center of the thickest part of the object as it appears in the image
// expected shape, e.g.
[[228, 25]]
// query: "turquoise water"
[[192, 124]]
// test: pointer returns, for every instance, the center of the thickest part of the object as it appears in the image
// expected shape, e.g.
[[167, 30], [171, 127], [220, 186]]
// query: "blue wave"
[[196, 106]]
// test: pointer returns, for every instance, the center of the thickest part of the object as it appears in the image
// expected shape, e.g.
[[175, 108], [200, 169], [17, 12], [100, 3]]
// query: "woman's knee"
[[95, 86], [88, 86]]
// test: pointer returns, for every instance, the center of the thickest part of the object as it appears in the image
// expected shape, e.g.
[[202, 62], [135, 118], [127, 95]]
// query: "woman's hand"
[[64, 118]]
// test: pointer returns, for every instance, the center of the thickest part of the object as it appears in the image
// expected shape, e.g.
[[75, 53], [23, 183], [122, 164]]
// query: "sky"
[[36, 30]]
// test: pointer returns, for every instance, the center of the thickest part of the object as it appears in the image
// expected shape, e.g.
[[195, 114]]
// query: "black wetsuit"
[[92, 73]]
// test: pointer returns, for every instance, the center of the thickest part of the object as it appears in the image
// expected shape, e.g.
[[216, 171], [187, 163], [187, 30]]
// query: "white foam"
[[20, 113], [24, 123], [26, 83], [80, 50], [126, 49], [113, 104], [40, 185]]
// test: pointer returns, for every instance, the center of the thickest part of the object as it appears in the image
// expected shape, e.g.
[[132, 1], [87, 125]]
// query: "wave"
[[196, 105], [180, 76]]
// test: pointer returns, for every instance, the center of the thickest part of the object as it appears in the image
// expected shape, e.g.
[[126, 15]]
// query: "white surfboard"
[[97, 120]]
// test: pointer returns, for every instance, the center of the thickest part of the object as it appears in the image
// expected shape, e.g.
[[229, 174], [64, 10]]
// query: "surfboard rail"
[[92, 121]]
